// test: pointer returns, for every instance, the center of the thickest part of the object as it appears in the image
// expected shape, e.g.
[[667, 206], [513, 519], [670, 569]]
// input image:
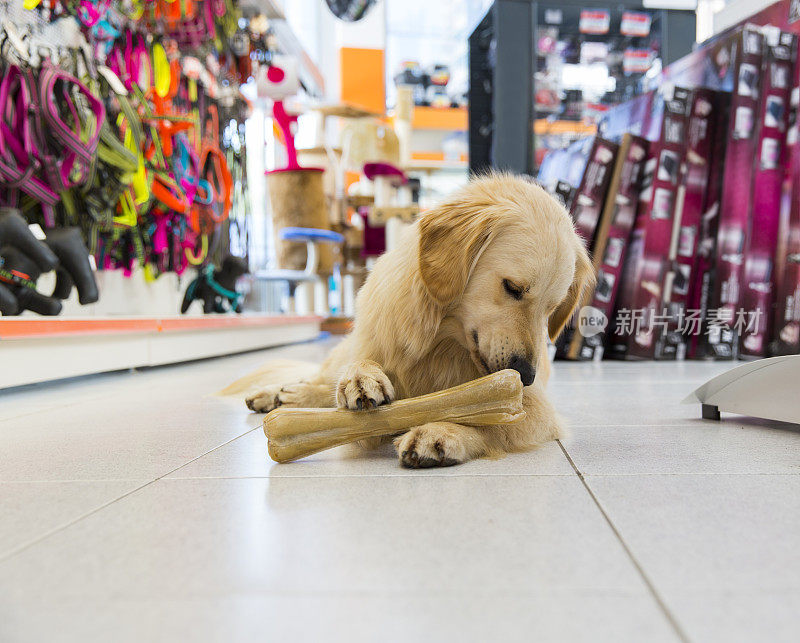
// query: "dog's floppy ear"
[[583, 280], [452, 237]]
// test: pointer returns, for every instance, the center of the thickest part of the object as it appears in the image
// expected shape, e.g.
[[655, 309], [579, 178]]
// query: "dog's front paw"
[[431, 445], [363, 385], [274, 396], [265, 400]]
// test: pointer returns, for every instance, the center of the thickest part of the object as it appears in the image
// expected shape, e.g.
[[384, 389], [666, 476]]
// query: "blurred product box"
[[587, 203], [704, 265], [691, 227], [758, 282], [710, 267], [638, 320], [741, 160], [613, 232], [640, 116], [591, 193], [786, 322]]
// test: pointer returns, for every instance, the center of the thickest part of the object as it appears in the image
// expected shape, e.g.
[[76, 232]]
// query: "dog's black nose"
[[524, 368]]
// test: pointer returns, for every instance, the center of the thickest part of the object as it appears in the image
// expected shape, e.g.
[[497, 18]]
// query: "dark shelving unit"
[[504, 57]]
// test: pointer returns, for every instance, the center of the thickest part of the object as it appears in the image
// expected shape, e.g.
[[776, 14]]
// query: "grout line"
[[648, 583], [729, 474], [606, 383], [20, 548], [202, 455], [429, 474], [686, 423], [74, 480], [417, 476], [219, 446]]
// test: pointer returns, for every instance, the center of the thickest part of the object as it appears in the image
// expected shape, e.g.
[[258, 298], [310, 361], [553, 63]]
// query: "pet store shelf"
[[44, 349]]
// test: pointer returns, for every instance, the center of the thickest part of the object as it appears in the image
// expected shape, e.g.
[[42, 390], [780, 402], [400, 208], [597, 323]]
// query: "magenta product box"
[[588, 201], [715, 65], [741, 159], [619, 214], [682, 321], [786, 327], [754, 314], [786, 323], [590, 196], [705, 259], [638, 319]]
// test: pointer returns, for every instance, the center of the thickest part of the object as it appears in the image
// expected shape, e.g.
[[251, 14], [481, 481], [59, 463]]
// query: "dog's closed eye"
[[513, 289]]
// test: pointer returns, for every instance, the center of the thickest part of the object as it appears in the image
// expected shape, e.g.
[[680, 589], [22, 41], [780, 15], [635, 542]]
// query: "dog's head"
[[503, 260]]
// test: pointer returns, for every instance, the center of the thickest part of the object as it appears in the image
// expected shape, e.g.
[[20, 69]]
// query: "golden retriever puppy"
[[476, 286]]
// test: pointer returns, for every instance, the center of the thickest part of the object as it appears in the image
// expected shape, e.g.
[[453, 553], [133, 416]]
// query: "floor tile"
[[29, 510], [118, 437], [360, 534], [738, 617], [709, 532], [247, 457], [346, 618], [613, 373], [141, 424], [28, 400], [734, 445], [635, 403], [349, 546]]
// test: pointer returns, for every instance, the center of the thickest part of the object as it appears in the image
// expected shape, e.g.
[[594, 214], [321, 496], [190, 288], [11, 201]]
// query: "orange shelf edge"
[[443, 118], [43, 328]]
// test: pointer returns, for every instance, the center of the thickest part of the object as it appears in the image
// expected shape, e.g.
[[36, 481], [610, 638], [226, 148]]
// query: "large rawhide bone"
[[297, 433]]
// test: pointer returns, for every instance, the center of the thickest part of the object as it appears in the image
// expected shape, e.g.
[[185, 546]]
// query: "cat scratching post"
[[393, 207], [296, 193], [298, 201]]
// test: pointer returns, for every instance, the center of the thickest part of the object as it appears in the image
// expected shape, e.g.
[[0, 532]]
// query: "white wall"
[[323, 35]]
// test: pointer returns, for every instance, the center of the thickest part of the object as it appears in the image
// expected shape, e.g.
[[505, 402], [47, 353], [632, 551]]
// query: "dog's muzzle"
[[525, 369]]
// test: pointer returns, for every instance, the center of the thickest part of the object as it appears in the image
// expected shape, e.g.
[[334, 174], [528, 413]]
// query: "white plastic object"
[[765, 388]]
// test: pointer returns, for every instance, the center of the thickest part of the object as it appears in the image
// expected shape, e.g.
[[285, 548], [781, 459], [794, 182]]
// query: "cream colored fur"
[[435, 312]]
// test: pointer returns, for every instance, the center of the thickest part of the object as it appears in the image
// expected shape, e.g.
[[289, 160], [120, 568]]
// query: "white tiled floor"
[[140, 507]]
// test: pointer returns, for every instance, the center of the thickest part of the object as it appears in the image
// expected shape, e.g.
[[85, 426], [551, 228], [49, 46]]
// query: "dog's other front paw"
[[279, 395], [363, 385], [265, 400], [436, 444]]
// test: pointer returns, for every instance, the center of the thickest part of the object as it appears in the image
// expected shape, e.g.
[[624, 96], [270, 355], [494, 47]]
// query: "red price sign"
[[594, 21], [635, 23], [636, 61]]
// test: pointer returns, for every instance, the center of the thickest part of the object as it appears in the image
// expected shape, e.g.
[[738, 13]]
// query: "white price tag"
[[36, 231]]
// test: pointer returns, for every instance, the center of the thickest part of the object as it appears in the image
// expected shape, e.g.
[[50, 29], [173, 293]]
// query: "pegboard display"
[[125, 120]]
